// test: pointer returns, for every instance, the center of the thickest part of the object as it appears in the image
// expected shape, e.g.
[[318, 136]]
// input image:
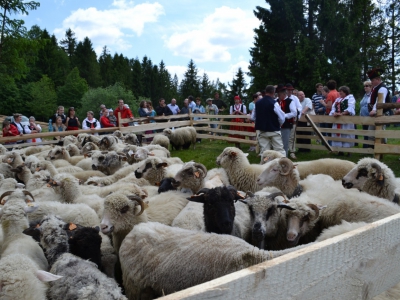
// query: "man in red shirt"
[[125, 112]]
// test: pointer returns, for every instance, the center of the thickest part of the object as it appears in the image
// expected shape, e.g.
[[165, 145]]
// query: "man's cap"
[[280, 88], [209, 99], [289, 86], [376, 72]]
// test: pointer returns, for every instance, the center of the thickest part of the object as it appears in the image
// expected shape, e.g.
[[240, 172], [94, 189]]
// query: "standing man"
[[318, 107], [378, 87], [289, 108], [191, 104], [125, 112], [292, 137], [173, 107], [268, 118], [219, 103]]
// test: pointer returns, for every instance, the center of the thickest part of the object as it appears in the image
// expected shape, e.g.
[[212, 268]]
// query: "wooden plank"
[[343, 119], [387, 105], [316, 130], [387, 149], [30, 144], [228, 139], [383, 120], [53, 134], [390, 134], [356, 265], [154, 126], [245, 133], [223, 123]]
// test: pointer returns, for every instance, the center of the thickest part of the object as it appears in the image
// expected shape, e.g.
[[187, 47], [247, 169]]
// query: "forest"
[[299, 41]]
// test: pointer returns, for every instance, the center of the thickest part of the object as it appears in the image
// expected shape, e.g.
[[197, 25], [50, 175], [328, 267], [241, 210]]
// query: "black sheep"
[[167, 184], [218, 208]]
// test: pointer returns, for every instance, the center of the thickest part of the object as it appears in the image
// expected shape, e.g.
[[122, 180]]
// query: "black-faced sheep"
[[184, 258], [181, 137], [373, 177], [242, 175], [167, 184]]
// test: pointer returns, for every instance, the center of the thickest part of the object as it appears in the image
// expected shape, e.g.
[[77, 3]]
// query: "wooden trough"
[[359, 264]]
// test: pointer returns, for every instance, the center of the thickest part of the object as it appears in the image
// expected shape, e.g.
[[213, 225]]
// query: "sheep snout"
[[347, 185]]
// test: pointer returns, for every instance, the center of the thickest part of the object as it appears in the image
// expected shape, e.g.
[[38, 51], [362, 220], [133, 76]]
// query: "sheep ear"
[[196, 174], [123, 158], [28, 165], [97, 228], [197, 198], [283, 205], [162, 165], [46, 276], [31, 231], [157, 183], [246, 154], [30, 208], [233, 154], [151, 154]]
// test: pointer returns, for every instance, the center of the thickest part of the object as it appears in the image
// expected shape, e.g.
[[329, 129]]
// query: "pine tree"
[[190, 84], [85, 60], [106, 68], [136, 83], [69, 44], [206, 87], [238, 87], [71, 93]]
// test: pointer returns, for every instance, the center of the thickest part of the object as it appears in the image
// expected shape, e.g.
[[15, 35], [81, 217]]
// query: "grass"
[[207, 151]]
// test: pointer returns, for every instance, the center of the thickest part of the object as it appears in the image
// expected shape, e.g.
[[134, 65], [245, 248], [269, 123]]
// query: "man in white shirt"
[[173, 107]]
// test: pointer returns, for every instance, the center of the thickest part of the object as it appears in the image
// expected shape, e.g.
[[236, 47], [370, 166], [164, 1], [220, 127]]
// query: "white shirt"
[[279, 112], [173, 108], [383, 91], [297, 102]]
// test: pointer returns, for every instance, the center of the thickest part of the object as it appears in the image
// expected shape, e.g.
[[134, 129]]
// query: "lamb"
[[122, 212], [107, 162], [184, 258], [194, 176], [81, 279], [13, 222], [269, 155], [70, 140], [142, 153], [181, 137], [118, 134], [9, 184], [13, 158], [72, 149], [89, 147], [21, 278], [336, 230], [154, 169], [111, 143], [160, 139], [219, 211], [242, 175], [373, 177], [131, 139]]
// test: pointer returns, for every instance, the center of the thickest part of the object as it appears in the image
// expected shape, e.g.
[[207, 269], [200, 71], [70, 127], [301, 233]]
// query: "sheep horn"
[[285, 164], [202, 167], [5, 194], [249, 194], [379, 174], [140, 201], [274, 195], [314, 208], [27, 193]]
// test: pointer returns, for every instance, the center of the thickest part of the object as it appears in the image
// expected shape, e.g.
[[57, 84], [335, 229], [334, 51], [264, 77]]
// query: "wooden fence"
[[148, 129]]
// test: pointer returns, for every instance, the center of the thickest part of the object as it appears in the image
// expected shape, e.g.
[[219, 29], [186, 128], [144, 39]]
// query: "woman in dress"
[[237, 109], [90, 122], [343, 106], [72, 121], [364, 106], [35, 128]]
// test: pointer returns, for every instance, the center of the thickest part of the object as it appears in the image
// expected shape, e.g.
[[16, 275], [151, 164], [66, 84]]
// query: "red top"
[[330, 98], [13, 131], [125, 113], [105, 122]]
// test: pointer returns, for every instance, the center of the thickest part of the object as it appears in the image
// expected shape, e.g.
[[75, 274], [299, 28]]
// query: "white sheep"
[[88, 148], [72, 149], [160, 260], [242, 175], [339, 229], [373, 177], [269, 155], [142, 153], [122, 212], [13, 222], [111, 143], [21, 278], [154, 169], [160, 139], [181, 137], [80, 278]]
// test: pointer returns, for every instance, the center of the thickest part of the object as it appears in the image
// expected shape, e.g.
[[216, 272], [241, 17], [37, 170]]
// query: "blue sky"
[[217, 35]]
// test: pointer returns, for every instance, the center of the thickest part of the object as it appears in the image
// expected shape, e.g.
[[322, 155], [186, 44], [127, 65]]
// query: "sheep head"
[[8, 193], [191, 176], [229, 155], [301, 220], [218, 208], [265, 213], [368, 171]]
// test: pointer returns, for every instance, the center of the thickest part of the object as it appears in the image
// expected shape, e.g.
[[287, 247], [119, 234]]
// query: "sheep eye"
[[124, 209]]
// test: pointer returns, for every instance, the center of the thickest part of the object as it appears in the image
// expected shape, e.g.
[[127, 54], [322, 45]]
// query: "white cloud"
[[111, 27], [226, 28], [224, 76]]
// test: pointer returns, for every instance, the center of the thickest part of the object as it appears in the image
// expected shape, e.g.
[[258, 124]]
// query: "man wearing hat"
[[292, 138], [268, 120], [288, 106], [211, 109], [378, 87]]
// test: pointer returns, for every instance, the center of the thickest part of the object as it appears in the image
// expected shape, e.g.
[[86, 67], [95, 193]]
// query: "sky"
[[217, 35]]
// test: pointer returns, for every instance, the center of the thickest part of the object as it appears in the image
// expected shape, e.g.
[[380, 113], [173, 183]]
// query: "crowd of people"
[[275, 113]]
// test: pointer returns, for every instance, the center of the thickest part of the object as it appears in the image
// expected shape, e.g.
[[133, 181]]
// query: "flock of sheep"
[[106, 218]]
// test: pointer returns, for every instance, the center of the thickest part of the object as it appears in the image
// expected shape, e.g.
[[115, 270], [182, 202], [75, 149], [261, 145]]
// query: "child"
[[111, 117], [9, 130]]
